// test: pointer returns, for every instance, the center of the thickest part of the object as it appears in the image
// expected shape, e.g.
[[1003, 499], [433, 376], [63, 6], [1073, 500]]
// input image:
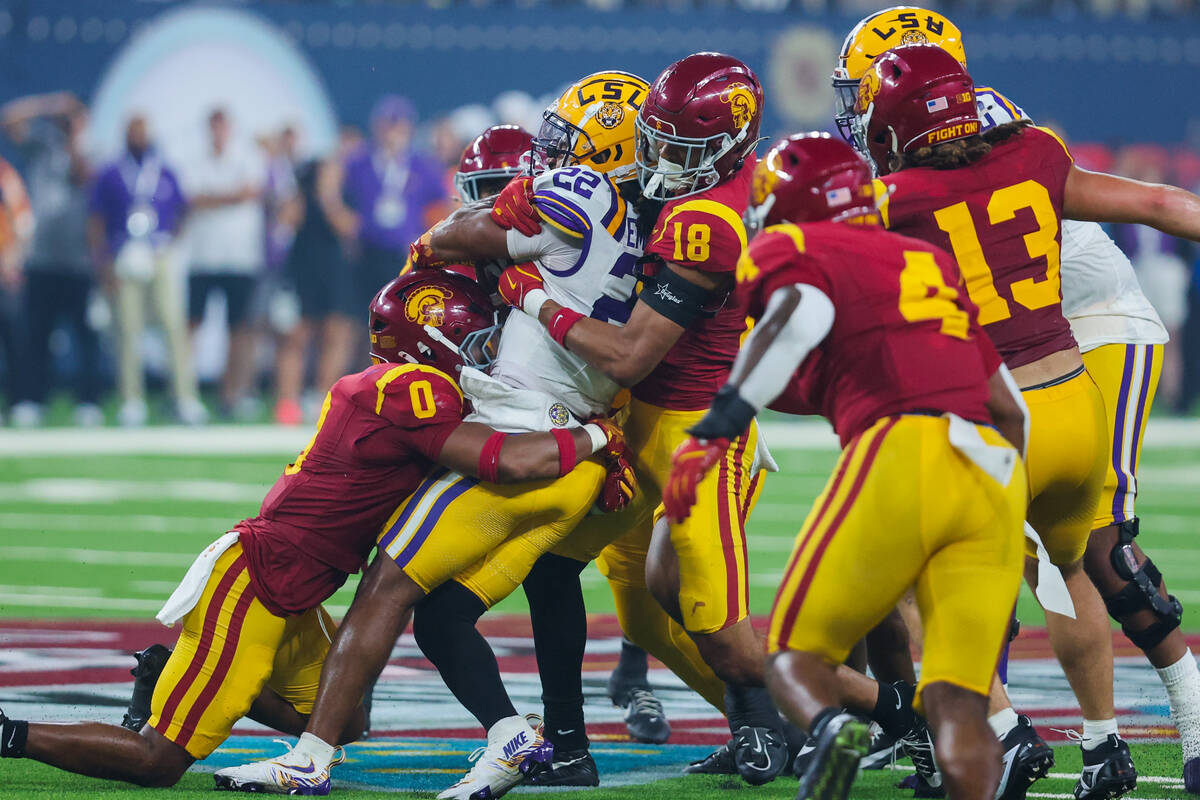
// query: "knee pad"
[[1140, 592]]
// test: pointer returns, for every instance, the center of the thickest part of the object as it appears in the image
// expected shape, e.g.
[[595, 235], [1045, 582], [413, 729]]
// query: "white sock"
[[1097, 731], [1003, 721], [315, 748], [1182, 682]]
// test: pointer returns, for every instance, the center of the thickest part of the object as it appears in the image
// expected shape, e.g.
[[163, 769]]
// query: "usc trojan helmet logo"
[[868, 87], [427, 305], [766, 177], [741, 103]]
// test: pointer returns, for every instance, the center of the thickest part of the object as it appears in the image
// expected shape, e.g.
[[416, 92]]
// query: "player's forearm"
[[537, 456], [469, 234], [609, 348]]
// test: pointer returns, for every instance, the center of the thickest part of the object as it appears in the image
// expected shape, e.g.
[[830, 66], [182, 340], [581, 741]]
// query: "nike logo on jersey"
[[514, 744]]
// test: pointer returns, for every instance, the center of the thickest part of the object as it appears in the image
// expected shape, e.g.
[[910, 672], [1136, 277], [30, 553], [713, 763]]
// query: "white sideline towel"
[[997, 461], [191, 588], [1052, 589]]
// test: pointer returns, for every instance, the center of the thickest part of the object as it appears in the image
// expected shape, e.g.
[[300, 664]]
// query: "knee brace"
[[1141, 592]]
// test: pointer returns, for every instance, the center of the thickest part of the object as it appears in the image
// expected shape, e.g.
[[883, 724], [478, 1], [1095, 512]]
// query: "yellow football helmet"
[[593, 124], [878, 33]]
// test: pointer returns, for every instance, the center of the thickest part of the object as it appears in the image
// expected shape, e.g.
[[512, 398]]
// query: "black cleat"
[[644, 717], [569, 768], [759, 754], [1108, 771], [718, 762], [150, 664], [840, 745], [918, 746], [883, 751], [1026, 759]]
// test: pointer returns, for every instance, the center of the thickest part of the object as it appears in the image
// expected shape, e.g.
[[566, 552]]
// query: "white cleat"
[[290, 773], [514, 750]]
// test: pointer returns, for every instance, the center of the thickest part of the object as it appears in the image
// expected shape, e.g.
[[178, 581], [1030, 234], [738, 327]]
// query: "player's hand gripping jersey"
[[915, 350], [1000, 219], [706, 233]]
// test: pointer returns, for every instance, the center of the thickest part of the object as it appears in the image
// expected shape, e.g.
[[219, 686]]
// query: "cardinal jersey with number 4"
[[904, 338], [1000, 218], [704, 233], [379, 433], [587, 254]]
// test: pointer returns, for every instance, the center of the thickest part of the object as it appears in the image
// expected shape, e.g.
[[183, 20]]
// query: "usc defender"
[[873, 331], [996, 200], [1121, 341], [696, 135], [254, 633]]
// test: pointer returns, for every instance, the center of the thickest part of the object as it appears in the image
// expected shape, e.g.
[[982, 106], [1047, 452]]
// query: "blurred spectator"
[[225, 244], [59, 280], [16, 226], [383, 196], [280, 196], [136, 210], [317, 270]]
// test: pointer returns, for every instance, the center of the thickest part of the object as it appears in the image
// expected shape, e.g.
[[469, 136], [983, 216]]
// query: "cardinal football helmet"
[[912, 97], [436, 318], [592, 124], [809, 177], [699, 123], [491, 160], [873, 35]]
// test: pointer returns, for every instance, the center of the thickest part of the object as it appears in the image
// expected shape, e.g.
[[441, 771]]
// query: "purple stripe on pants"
[[1118, 504], [1147, 370]]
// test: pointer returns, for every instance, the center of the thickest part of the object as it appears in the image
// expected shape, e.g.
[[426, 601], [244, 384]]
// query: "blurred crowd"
[[238, 280]]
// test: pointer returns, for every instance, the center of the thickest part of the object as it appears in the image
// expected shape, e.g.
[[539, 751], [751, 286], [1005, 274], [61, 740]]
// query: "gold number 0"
[[1003, 205], [421, 395], [921, 273]]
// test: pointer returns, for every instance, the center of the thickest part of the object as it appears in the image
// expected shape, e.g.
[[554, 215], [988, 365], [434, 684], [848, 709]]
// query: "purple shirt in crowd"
[[391, 197], [130, 194]]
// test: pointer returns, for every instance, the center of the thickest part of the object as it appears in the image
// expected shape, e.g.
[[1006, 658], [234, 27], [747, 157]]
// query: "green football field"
[[101, 533]]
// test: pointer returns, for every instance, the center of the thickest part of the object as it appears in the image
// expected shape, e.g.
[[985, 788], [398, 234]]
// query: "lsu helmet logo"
[[610, 115], [742, 103], [427, 305], [868, 87], [913, 37]]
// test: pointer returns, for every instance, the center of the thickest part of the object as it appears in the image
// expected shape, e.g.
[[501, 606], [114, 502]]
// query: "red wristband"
[[561, 322], [566, 450], [489, 457]]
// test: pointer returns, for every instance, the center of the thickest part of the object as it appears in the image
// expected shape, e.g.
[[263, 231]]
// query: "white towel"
[[1051, 589], [997, 461], [191, 588]]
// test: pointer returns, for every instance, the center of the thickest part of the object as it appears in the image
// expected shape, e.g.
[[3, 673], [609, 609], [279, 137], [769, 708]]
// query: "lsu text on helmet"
[[699, 123], [432, 317], [491, 160], [912, 97], [809, 177], [592, 124], [877, 33]]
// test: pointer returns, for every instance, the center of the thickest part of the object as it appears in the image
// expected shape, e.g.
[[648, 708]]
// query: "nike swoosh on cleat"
[[310, 769]]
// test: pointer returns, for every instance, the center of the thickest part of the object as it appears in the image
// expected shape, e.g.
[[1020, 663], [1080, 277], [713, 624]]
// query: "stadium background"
[[97, 525]]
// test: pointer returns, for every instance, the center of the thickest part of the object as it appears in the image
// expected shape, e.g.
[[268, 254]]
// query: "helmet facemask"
[[670, 165], [484, 184], [560, 142], [478, 349]]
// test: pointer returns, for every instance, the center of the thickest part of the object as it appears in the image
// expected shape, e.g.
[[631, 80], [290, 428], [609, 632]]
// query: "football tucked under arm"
[[797, 318]]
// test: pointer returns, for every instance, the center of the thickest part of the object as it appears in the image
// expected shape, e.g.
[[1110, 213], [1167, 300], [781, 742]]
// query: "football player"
[[592, 242], [1121, 341], [869, 329], [696, 133], [254, 632], [995, 199]]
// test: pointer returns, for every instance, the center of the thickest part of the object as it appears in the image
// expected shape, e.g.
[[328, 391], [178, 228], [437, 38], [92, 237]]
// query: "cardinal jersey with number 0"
[[378, 435], [904, 338], [936, 500], [1000, 219]]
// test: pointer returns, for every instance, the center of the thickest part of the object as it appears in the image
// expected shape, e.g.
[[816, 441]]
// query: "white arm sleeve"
[[806, 328]]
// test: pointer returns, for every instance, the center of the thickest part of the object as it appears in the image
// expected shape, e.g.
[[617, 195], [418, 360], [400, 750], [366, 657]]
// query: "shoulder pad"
[[699, 233], [577, 200], [1047, 136], [996, 109], [778, 255], [410, 395]]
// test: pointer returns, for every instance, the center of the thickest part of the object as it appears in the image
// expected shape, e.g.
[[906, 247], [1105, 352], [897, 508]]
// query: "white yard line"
[[79, 555], [131, 523], [21, 600]]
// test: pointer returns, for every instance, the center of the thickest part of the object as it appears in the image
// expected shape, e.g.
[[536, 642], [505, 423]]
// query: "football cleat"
[[1026, 759], [883, 751], [290, 773], [569, 768], [718, 762], [150, 664], [644, 716], [1108, 771], [839, 747], [514, 750], [759, 754], [918, 746], [804, 757]]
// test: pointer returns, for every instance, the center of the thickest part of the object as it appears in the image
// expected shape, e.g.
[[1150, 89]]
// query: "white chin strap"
[[437, 336]]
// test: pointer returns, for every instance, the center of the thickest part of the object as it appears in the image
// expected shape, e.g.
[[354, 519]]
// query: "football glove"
[[514, 207], [620, 484], [521, 284], [420, 253], [690, 463]]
